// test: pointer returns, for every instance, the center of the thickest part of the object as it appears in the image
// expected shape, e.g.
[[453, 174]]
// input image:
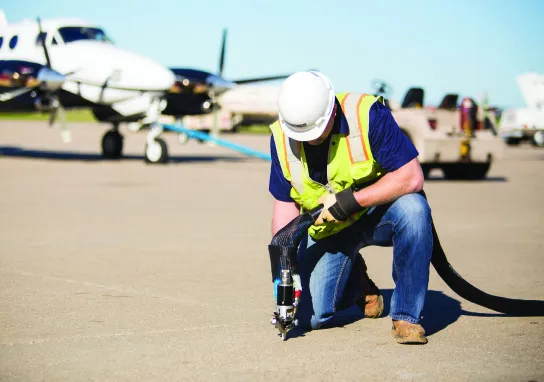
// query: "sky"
[[464, 46]]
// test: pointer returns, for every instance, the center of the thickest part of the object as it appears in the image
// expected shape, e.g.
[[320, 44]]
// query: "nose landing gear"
[[156, 150]]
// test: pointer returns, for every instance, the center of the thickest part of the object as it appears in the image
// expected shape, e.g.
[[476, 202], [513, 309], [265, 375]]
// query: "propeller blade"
[[222, 54], [14, 93], [64, 132], [267, 78], [47, 59], [260, 79], [53, 116]]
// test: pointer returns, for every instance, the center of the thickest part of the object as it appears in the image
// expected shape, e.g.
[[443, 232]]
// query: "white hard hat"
[[305, 105]]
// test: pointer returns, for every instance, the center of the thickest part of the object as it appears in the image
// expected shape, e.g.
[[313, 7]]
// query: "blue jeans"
[[325, 265]]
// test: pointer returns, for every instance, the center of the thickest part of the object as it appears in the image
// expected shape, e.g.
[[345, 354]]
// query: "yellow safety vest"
[[350, 161]]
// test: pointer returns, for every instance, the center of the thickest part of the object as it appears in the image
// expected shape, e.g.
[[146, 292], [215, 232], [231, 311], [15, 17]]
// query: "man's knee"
[[312, 316], [413, 212]]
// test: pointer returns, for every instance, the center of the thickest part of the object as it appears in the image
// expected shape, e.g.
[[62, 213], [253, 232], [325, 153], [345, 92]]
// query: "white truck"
[[443, 141]]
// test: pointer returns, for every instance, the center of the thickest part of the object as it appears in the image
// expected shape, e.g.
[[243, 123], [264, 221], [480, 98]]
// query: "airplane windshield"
[[71, 34]]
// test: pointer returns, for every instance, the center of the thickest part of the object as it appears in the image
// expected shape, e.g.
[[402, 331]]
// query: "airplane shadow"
[[19, 152], [440, 312]]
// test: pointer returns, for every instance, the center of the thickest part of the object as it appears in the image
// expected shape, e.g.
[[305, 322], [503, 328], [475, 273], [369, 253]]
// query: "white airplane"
[[71, 63], [526, 123]]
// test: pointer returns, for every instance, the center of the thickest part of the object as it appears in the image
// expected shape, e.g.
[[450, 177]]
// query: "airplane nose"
[[101, 63], [163, 77], [149, 74]]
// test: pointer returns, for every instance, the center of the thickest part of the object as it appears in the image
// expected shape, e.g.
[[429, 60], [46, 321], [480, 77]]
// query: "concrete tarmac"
[[124, 271]]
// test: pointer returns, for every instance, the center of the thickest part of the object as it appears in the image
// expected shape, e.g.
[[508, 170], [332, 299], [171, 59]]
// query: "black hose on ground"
[[290, 236]]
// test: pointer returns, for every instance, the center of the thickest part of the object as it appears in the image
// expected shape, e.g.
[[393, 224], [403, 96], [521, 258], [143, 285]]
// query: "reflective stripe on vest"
[[356, 140], [358, 146], [294, 165]]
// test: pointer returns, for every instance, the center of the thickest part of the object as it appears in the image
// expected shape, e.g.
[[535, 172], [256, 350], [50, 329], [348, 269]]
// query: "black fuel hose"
[[290, 236]]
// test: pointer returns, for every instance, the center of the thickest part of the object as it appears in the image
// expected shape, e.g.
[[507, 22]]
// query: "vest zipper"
[[327, 186]]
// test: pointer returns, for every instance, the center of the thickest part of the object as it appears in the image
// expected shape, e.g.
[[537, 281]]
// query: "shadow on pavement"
[[440, 311], [19, 152]]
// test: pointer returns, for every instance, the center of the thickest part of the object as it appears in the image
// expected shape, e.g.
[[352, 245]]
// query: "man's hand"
[[338, 207], [328, 200]]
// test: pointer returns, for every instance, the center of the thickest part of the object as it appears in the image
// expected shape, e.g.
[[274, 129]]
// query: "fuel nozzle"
[[287, 284], [286, 304]]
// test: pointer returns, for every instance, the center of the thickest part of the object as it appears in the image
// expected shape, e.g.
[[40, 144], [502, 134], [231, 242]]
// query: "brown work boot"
[[407, 333], [371, 301]]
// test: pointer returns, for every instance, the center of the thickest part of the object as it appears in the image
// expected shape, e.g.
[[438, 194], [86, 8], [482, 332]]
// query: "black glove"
[[345, 205]]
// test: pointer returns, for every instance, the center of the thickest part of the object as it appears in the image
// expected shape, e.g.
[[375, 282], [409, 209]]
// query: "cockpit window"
[[1, 41], [71, 34]]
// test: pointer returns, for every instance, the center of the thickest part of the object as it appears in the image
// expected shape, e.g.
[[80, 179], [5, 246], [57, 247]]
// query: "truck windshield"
[[71, 34]]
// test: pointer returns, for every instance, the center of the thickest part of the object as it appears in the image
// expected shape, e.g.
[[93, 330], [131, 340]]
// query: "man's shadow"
[[439, 312]]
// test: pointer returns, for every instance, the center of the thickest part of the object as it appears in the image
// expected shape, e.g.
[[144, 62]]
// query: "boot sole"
[[379, 302], [412, 338]]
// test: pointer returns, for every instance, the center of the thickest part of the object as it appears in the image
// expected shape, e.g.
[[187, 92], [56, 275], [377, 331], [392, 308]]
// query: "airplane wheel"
[[466, 171], [112, 145], [156, 152], [538, 138]]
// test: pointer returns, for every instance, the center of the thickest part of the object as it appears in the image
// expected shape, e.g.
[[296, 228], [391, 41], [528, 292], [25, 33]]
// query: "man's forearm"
[[408, 179], [283, 214]]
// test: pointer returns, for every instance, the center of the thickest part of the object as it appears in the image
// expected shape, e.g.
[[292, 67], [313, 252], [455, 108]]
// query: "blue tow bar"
[[206, 137]]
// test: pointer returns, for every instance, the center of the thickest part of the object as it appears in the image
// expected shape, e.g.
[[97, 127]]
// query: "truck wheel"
[[538, 138], [426, 170], [466, 171]]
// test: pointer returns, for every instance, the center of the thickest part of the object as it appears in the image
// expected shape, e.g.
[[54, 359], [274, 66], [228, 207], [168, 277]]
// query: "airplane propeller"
[[222, 53], [51, 82]]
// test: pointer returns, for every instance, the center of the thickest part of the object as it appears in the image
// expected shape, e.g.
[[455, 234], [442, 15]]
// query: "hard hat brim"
[[303, 136]]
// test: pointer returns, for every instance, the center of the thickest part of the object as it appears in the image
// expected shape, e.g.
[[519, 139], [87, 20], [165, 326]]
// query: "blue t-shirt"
[[390, 147]]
